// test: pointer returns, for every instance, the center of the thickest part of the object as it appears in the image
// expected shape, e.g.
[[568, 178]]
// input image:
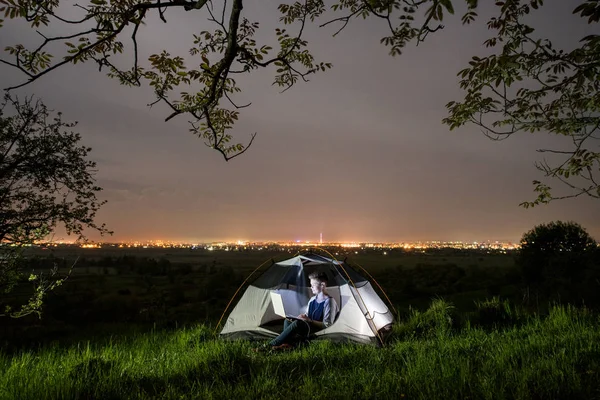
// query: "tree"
[[557, 256], [527, 86], [531, 86], [46, 180]]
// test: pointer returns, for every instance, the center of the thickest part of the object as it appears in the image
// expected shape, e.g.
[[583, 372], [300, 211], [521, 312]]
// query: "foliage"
[[45, 181], [557, 254], [12, 273], [495, 313], [532, 86], [103, 25], [528, 85], [437, 321]]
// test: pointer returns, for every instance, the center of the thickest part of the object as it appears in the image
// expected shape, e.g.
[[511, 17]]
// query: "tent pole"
[[355, 288]]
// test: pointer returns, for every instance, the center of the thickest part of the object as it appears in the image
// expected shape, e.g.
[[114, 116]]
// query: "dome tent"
[[362, 316]]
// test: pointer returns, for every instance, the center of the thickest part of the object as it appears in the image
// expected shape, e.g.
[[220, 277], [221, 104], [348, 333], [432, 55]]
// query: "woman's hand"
[[303, 316]]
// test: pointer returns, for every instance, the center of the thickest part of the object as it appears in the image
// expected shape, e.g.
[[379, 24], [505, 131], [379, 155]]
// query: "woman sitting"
[[322, 310]]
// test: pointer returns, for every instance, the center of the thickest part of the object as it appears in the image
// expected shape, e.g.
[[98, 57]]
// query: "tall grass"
[[552, 357]]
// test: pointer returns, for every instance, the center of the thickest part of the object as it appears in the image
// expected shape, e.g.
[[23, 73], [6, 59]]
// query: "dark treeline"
[[112, 293]]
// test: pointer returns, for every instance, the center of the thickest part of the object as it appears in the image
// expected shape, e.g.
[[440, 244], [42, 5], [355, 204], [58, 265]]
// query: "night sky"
[[359, 153]]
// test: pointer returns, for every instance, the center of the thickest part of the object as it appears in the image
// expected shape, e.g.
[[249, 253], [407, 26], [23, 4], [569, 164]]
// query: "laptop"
[[278, 307]]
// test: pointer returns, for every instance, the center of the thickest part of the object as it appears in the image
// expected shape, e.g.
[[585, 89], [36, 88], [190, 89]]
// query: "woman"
[[321, 313]]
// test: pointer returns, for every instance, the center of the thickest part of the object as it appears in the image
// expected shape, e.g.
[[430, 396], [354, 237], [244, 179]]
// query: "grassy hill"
[[433, 354], [140, 325]]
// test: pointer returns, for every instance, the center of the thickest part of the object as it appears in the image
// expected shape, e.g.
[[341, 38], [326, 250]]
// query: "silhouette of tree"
[[46, 180], [556, 257]]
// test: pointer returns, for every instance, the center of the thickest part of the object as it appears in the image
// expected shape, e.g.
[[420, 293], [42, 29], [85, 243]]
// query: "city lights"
[[349, 246]]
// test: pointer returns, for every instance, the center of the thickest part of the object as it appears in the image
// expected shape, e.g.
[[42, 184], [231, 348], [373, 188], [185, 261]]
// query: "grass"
[[430, 355]]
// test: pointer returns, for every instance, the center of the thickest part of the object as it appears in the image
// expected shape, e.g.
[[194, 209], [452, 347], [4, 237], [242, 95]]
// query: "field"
[[141, 324], [138, 289], [556, 357]]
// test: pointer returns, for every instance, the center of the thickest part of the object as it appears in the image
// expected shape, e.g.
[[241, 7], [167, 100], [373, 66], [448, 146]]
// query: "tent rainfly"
[[363, 317]]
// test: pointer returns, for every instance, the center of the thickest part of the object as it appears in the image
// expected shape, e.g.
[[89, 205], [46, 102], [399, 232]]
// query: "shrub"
[[554, 250], [494, 313], [437, 321]]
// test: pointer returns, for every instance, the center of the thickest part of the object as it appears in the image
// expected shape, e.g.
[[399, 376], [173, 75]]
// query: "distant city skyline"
[[238, 241], [284, 245]]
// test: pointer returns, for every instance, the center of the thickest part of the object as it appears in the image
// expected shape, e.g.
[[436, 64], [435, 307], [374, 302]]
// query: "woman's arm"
[[317, 324], [329, 312]]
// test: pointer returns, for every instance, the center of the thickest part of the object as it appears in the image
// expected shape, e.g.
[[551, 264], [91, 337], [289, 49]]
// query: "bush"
[[494, 313], [559, 259], [437, 321]]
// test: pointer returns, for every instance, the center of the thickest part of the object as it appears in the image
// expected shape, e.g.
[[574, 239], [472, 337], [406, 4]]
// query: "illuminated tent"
[[363, 317]]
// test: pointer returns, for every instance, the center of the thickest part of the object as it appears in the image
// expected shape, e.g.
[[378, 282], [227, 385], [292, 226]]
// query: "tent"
[[363, 317]]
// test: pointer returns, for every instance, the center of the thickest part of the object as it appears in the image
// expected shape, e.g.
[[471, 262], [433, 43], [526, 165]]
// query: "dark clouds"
[[358, 153]]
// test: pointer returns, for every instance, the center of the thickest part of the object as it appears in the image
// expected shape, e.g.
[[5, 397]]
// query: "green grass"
[[429, 356]]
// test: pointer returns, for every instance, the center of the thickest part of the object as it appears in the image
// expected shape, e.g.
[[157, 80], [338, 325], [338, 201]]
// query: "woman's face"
[[316, 286]]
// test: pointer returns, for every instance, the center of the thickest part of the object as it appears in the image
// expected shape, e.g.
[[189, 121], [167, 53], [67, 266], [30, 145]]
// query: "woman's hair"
[[319, 276]]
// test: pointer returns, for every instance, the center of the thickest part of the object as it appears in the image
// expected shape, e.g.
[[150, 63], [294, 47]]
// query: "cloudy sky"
[[359, 153]]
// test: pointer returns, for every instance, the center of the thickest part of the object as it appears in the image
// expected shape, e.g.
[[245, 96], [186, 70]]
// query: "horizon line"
[[299, 242]]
